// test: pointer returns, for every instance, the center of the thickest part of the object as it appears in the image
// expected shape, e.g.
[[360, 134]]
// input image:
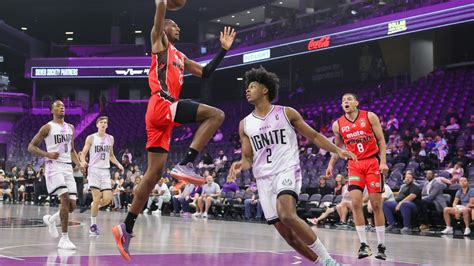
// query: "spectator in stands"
[[12, 179], [251, 203], [127, 165], [187, 134], [2, 180], [460, 158], [41, 192], [126, 194], [453, 126], [161, 194], [463, 205], [117, 189], [220, 161], [406, 202], [230, 185], [206, 162], [432, 198], [210, 193], [21, 186], [404, 153], [343, 209], [456, 172], [323, 188], [195, 195], [470, 124], [181, 201], [127, 154], [407, 136], [452, 114], [419, 134], [440, 148], [30, 176], [392, 123], [424, 126], [339, 184], [387, 195], [219, 136]]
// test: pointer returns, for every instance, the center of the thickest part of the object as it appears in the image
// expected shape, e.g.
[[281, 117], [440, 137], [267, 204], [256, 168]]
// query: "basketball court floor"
[[164, 240]]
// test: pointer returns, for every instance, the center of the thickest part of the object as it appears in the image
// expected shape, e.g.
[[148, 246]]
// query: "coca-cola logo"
[[323, 42]]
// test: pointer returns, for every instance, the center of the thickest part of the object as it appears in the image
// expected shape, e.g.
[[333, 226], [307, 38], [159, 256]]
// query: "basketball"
[[174, 5]]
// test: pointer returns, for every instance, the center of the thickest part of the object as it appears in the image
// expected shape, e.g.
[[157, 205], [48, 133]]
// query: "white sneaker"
[[65, 243], [448, 230], [53, 231], [204, 215], [157, 212], [467, 231], [196, 215], [146, 211]]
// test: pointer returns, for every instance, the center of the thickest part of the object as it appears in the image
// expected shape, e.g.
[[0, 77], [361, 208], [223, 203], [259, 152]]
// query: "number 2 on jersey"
[[269, 154], [360, 147]]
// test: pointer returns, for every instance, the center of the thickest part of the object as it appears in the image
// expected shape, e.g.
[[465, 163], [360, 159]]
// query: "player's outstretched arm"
[[377, 128], [159, 42], [318, 139], [247, 157], [227, 39], [33, 146]]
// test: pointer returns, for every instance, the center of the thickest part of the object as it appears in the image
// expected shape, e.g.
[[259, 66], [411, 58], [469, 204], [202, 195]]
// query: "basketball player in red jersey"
[[166, 110], [361, 133]]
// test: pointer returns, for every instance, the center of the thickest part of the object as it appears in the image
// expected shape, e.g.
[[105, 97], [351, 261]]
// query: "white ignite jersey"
[[99, 153], [274, 142], [59, 140]]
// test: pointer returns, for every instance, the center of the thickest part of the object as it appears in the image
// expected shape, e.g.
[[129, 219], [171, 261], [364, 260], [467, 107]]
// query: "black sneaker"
[[364, 251], [381, 252]]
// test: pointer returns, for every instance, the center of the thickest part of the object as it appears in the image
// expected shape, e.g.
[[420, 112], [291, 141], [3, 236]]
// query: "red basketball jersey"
[[167, 72], [358, 135]]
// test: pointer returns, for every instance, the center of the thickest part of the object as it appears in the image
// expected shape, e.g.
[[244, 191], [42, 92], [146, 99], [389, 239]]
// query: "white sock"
[[65, 235], [320, 250], [55, 217], [93, 220], [449, 227], [380, 234], [361, 232]]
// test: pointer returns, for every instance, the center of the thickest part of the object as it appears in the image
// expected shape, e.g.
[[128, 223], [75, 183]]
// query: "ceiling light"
[[248, 12], [237, 23], [233, 16], [70, 39], [218, 20], [353, 12], [240, 79], [24, 28], [138, 31], [253, 19], [281, 3], [69, 33]]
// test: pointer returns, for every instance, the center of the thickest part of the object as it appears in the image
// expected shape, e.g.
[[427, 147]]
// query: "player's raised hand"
[[346, 155], [227, 37]]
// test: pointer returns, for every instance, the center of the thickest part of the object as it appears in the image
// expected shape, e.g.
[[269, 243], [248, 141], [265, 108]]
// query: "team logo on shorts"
[[287, 182], [374, 184], [362, 122]]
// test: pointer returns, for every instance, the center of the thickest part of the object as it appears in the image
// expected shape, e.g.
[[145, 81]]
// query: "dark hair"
[[352, 94], [52, 103], [100, 118], [268, 79]]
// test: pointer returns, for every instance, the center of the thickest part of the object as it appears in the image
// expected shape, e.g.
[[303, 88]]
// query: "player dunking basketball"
[[270, 147], [60, 152], [100, 147], [165, 111], [360, 132]]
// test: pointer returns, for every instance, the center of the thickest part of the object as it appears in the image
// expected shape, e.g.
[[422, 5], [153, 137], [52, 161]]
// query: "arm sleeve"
[[211, 66]]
